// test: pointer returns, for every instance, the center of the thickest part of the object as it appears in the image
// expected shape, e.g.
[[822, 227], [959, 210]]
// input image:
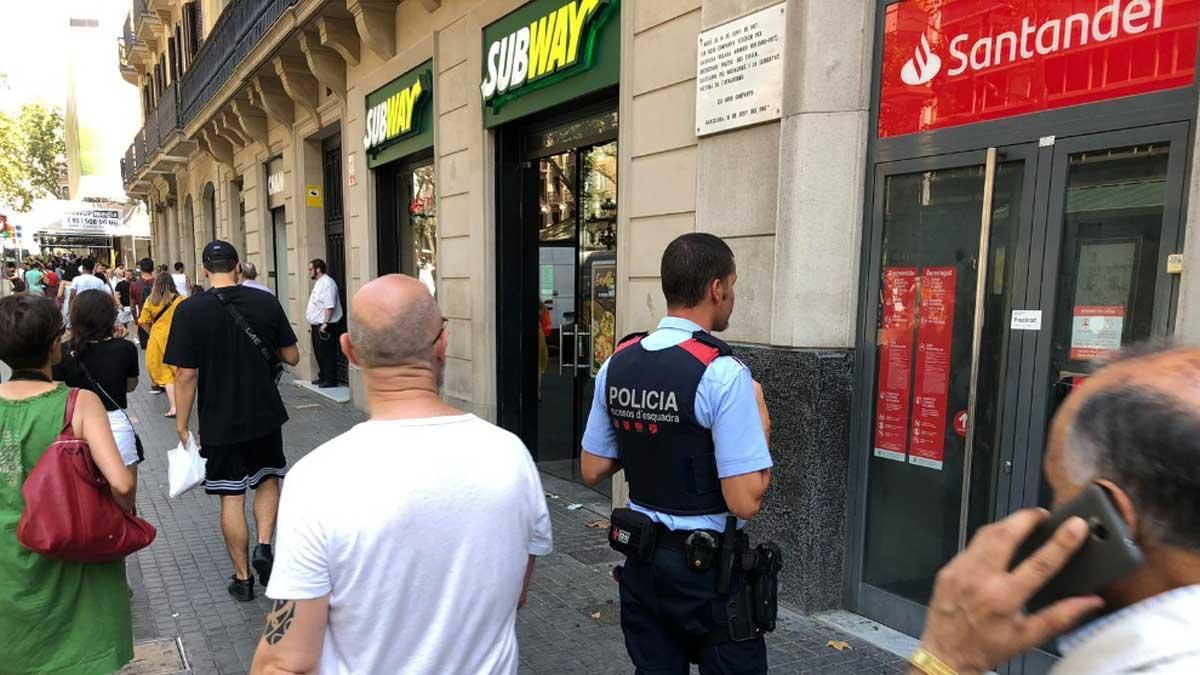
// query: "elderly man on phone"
[[1134, 429]]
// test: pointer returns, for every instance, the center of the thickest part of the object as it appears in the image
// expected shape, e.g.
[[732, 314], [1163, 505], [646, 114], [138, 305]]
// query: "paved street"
[[570, 624]]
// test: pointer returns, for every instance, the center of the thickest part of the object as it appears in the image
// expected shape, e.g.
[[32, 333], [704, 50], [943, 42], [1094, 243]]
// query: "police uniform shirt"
[[725, 404]]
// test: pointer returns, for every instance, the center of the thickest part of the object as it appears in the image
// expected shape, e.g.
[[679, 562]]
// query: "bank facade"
[[939, 218]]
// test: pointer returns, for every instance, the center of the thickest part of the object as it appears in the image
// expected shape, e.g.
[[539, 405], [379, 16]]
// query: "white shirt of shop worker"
[[324, 296]]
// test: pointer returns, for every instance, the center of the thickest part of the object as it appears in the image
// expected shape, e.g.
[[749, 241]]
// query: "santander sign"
[[962, 61]]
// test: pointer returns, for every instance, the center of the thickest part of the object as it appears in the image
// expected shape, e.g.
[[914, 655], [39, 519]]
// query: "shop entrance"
[[407, 225], [967, 362], [557, 271], [335, 233]]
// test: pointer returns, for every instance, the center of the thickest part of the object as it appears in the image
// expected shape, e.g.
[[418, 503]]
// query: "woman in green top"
[[55, 617]]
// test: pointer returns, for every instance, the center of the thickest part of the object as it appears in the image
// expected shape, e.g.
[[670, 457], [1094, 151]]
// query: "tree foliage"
[[33, 153]]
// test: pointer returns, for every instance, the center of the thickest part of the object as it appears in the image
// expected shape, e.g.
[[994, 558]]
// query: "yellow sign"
[[393, 118], [312, 196], [547, 45]]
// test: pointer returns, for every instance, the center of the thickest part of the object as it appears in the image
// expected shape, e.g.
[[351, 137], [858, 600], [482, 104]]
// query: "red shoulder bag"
[[69, 510]]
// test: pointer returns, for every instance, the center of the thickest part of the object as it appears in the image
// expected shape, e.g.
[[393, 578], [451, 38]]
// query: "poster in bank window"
[[931, 388], [1096, 331], [895, 361]]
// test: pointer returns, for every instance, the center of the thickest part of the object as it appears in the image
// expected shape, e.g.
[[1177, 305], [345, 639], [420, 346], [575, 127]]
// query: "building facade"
[[940, 212]]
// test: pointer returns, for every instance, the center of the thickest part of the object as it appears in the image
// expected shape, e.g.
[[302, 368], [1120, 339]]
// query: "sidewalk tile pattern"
[[570, 624]]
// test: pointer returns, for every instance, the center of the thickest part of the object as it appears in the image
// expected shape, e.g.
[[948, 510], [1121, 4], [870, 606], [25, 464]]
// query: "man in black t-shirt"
[[225, 360]]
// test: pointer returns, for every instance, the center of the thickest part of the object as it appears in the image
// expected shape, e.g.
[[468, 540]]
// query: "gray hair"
[[1147, 441], [404, 336], [249, 271]]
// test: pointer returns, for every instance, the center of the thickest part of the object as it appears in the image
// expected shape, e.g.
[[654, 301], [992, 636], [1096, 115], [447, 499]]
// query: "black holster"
[[762, 567], [632, 534]]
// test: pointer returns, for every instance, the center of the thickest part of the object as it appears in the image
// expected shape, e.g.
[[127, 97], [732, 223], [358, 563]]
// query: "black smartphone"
[[1108, 554]]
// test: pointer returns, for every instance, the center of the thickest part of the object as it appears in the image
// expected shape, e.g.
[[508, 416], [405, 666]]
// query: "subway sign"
[[399, 110], [540, 45]]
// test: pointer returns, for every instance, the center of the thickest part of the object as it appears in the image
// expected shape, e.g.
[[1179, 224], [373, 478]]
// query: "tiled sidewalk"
[[570, 625]]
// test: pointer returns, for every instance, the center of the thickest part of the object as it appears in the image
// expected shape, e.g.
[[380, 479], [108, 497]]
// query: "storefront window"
[[422, 212], [558, 198]]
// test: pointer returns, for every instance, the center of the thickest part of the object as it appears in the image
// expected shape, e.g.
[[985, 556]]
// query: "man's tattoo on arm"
[[279, 620]]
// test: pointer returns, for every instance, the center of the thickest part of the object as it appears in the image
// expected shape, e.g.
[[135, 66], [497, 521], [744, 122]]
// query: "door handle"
[[985, 231], [579, 350], [562, 332]]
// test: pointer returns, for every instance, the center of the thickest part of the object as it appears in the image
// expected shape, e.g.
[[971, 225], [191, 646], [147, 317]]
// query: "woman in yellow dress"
[[157, 312]]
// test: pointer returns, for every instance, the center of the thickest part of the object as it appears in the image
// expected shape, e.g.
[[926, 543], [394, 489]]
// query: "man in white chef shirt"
[[390, 558]]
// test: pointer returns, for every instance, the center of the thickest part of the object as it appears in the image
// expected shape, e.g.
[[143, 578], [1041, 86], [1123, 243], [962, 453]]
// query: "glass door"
[[999, 279], [952, 236], [577, 283], [1114, 204]]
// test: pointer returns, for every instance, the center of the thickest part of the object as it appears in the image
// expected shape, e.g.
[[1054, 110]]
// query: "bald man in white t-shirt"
[[390, 558]]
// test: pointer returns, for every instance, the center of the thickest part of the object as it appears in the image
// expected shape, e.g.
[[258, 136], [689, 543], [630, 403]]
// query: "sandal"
[[169, 415]]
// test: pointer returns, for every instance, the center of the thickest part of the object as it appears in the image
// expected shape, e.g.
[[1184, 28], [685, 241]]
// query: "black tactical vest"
[[669, 459]]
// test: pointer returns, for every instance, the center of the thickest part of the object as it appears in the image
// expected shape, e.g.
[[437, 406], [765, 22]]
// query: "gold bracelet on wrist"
[[929, 664]]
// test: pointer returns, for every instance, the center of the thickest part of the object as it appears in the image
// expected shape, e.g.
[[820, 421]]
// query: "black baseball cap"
[[218, 251]]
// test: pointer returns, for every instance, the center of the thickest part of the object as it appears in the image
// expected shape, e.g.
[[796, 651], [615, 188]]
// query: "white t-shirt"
[[181, 284], [89, 282], [324, 296], [422, 553]]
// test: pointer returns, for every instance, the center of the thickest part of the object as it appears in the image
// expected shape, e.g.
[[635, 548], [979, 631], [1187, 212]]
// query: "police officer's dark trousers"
[[668, 613]]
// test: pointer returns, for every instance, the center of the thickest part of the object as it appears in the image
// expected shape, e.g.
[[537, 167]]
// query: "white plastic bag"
[[185, 467]]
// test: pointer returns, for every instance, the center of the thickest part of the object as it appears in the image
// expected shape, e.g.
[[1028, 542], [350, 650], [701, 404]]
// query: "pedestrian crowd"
[[381, 557]]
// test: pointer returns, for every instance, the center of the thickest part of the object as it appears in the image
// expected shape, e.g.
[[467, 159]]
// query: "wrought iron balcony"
[[241, 26], [167, 115]]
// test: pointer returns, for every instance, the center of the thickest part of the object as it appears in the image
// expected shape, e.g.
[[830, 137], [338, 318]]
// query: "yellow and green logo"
[[398, 115], [553, 46]]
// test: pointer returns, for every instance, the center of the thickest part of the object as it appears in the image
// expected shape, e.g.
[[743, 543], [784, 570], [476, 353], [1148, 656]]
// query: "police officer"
[[686, 422]]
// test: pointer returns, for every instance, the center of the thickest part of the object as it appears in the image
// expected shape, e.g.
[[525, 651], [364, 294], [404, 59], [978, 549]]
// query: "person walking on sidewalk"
[[60, 617], [104, 365], [138, 292], [686, 421], [391, 558], [158, 314], [250, 278], [183, 284], [228, 345], [324, 315]]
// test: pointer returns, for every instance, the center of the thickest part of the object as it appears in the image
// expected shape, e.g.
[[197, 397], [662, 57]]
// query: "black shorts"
[[234, 467]]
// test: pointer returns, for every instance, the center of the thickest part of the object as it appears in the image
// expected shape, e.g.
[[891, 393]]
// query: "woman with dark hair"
[[108, 367], [55, 616], [157, 313]]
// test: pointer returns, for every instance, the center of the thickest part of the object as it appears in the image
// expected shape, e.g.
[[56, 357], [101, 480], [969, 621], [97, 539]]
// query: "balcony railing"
[[160, 124], [126, 40], [238, 30], [167, 114]]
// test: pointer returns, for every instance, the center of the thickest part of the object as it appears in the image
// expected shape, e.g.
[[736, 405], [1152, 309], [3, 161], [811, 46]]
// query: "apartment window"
[[177, 45], [193, 27], [171, 49]]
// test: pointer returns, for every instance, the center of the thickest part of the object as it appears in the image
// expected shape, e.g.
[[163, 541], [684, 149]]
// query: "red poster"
[[955, 62], [895, 361], [1096, 330], [935, 332]]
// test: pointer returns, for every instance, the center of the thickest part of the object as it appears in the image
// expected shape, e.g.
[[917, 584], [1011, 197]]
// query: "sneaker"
[[262, 561], [156, 389], [242, 590]]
